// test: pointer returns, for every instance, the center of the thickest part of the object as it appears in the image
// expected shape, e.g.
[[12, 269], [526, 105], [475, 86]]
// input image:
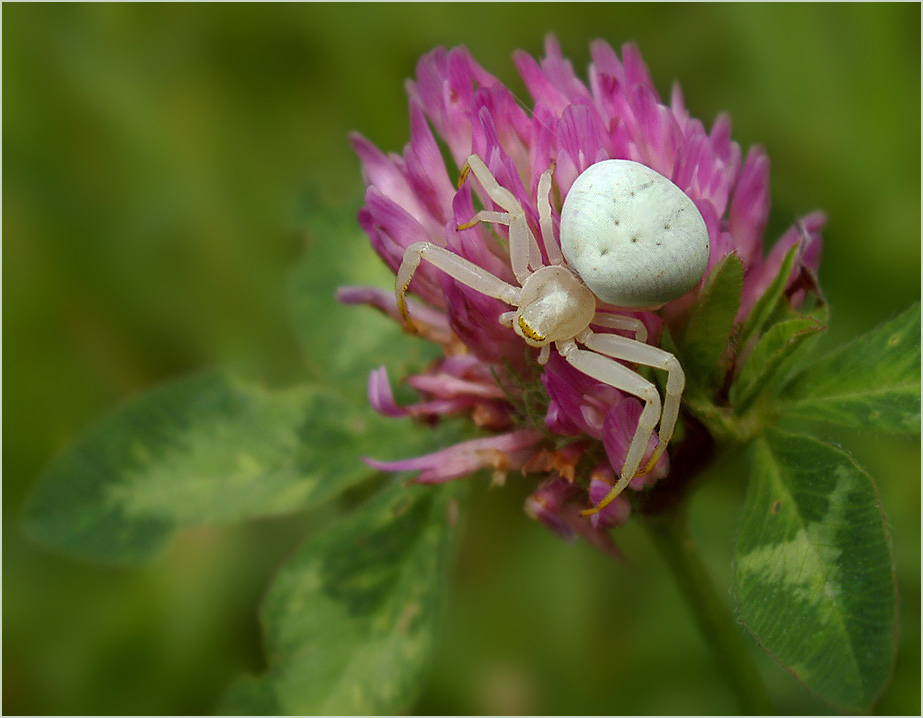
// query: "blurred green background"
[[157, 163]]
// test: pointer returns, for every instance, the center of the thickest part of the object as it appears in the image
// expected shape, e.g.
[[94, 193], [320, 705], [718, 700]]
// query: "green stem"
[[670, 532]]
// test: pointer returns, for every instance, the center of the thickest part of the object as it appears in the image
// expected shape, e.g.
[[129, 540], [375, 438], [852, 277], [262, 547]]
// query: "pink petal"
[[750, 206], [618, 432], [446, 386], [560, 72], [511, 124], [582, 136], [806, 235], [617, 512], [636, 72], [426, 167], [386, 302], [389, 176], [605, 61], [657, 134], [380, 396], [538, 84], [547, 505], [557, 505], [503, 452]]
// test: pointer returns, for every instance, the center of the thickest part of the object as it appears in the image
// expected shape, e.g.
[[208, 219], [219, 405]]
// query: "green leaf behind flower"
[[343, 343], [814, 574], [768, 302], [871, 383], [703, 339], [208, 448], [350, 620], [770, 358]]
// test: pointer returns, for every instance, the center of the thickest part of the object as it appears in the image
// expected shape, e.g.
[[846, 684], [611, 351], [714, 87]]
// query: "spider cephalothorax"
[[630, 238]]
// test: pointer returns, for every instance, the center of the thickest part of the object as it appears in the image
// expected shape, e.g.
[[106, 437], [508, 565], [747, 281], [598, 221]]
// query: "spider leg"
[[486, 216], [620, 321], [544, 355], [456, 267], [637, 352], [552, 248], [523, 246], [621, 377], [507, 319]]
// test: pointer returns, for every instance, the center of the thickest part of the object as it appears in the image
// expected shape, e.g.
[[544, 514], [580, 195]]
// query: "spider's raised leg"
[[523, 247], [552, 248], [456, 267], [620, 321], [639, 353], [621, 377]]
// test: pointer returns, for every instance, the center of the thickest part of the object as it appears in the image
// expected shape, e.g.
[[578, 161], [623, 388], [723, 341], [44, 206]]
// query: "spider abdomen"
[[634, 237]]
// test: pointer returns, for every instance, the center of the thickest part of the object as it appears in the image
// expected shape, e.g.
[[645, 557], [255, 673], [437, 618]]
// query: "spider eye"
[[633, 236], [528, 332]]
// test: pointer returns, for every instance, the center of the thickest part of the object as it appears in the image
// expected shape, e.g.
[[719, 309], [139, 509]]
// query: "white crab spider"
[[630, 237]]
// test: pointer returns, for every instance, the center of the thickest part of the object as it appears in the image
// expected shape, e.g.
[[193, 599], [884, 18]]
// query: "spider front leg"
[[546, 224], [639, 353], [635, 352], [459, 268], [620, 321], [524, 250], [610, 372]]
